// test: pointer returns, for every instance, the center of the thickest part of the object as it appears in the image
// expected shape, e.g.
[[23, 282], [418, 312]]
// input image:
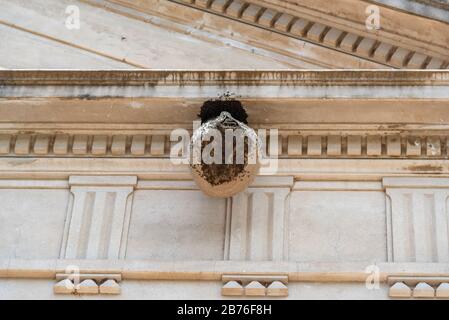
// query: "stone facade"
[[356, 197], [92, 207]]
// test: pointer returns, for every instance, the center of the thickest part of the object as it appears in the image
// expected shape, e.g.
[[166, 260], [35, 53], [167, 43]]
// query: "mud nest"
[[217, 174], [213, 108]]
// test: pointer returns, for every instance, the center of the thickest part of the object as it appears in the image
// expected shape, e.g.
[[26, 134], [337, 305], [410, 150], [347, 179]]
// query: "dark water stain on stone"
[[426, 168]]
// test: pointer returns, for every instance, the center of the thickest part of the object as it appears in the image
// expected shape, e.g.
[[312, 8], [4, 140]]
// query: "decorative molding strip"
[[89, 284], [337, 186], [255, 285], [163, 169], [415, 183], [259, 182], [99, 277], [418, 287], [150, 78], [214, 270], [33, 184], [326, 35], [401, 146]]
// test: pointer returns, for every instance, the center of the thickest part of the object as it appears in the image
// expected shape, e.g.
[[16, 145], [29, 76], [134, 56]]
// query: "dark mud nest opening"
[[211, 109], [217, 174]]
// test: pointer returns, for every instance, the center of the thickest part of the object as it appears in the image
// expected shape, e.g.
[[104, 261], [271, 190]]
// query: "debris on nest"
[[211, 109]]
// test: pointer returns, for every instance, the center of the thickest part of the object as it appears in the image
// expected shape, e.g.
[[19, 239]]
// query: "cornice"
[[221, 30], [219, 77], [308, 21], [420, 145]]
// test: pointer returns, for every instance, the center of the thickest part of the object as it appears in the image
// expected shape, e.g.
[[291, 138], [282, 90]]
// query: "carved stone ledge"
[[291, 146], [88, 284], [418, 287], [310, 29], [255, 285]]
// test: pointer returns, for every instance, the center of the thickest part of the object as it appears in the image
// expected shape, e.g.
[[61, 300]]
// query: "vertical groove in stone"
[[85, 218], [107, 217]]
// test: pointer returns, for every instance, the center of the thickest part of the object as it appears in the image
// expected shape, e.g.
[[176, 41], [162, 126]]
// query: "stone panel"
[[32, 223], [419, 220], [257, 228], [98, 217], [337, 226], [176, 225]]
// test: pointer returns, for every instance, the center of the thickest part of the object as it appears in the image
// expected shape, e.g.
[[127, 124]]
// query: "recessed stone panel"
[[337, 226], [32, 223], [176, 225]]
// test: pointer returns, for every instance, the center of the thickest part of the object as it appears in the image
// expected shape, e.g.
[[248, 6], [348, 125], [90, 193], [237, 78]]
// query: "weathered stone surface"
[[232, 288], [277, 289], [316, 234], [219, 5], [366, 47], [417, 61], [338, 216], [314, 146], [354, 145], [157, 145], [41, 145], [443, 290], [284, 22], [300, 27], [61, 144], [383, 52], [333, 37], [398, 59], [236, 8], [5, 143], [138, 145], [434, 63], [156, 231], [434, 146], [374, 145], [22, 144], [64, 287], [423, 290], [118, 146], [99, 145], [267, 18], [87, 287], [252, 13], [394, 147], [110, 287], [31, 236], [334, 145], [349, 42], [400, 290], [414, 146], [294, 145], [255, 289], [80, 144], [316, 32], [413, 201]]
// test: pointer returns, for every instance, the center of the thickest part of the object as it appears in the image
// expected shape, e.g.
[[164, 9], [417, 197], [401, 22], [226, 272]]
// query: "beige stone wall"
[[359, 198]]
